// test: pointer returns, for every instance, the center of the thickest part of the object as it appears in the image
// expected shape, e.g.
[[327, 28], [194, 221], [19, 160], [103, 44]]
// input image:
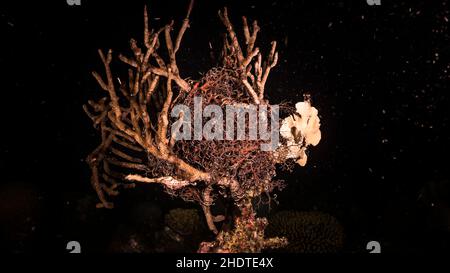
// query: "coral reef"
[[139, 140]]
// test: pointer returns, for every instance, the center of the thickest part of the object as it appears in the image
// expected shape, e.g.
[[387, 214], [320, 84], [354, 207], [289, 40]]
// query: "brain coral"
[[307, 232], [184, 221]]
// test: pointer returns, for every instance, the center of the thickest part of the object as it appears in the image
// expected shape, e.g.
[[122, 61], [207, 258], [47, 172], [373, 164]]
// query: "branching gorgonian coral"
[[139, 123]]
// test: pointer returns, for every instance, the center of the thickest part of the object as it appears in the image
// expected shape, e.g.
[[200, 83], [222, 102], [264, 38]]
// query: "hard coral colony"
[[137, 145]]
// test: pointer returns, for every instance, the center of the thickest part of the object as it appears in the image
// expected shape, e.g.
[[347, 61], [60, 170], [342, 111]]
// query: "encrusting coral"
[[246, 237], [300, 130]]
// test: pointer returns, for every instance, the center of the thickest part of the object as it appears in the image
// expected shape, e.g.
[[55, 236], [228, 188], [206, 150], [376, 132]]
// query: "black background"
[[378, 75]]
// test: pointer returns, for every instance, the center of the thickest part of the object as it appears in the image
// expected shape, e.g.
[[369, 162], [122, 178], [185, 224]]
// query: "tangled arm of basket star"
[[137, 145]]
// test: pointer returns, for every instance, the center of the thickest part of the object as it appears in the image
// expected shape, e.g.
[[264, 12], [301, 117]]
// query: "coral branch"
[[233, 54], [167, 181], [127, 121], [207, 202]]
